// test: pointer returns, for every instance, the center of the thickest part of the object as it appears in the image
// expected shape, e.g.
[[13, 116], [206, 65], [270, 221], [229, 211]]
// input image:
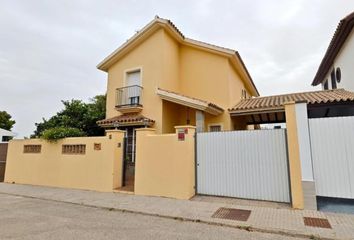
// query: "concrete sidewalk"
[[264, 219]]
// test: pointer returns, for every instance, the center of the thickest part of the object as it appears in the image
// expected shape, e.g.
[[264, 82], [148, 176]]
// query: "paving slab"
[[263, 219]]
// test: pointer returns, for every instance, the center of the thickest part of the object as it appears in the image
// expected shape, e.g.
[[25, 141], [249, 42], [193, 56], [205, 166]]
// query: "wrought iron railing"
[[129, 96]]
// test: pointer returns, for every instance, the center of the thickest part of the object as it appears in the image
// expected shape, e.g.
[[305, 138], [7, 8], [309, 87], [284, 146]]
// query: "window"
[[31, 148], [133, 83], [74, 149], [215, 128], [325, 85], [333, 80], [338, 75], [243, 94], [199, 118], [133, 78]]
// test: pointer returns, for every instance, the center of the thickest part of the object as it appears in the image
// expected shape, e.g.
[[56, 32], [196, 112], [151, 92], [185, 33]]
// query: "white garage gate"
[[332, 148], [244, 164]]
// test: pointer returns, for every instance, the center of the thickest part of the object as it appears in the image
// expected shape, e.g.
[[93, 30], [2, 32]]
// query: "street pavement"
[[29, 218], [275, 219]]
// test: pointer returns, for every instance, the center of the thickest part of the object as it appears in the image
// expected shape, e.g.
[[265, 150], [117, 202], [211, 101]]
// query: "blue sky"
[[49, 49]]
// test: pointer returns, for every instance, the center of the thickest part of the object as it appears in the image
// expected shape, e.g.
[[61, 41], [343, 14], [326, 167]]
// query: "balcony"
[[129, 99]]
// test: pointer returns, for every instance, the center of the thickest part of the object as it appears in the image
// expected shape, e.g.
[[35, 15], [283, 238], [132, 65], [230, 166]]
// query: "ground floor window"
[[215, 128]]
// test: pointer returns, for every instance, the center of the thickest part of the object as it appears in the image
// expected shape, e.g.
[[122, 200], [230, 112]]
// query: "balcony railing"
[[130, 96]]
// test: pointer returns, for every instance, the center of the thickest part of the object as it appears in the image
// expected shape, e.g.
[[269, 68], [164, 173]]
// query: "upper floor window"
[[325, 85], [243, 94], [133, 78], [333, 80], [130, 95], [338, 75]]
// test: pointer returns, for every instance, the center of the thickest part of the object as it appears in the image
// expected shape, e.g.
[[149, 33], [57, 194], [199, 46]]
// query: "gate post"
[[303, 192], [117, 139]]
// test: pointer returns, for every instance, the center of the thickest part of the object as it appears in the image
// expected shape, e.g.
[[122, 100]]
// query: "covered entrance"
[[321, 127], [128, 122]]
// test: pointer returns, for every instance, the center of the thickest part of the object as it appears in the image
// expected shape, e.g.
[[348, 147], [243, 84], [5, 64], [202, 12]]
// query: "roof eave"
[[247, 74], [189, 102], [340, 36], [168, 25], [255, 111], [150, 28]]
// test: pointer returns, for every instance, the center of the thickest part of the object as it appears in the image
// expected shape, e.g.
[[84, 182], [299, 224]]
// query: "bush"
[[54, 134]]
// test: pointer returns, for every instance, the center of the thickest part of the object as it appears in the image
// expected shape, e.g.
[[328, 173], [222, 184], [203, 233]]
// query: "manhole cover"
[[232, 214], [317, 222]]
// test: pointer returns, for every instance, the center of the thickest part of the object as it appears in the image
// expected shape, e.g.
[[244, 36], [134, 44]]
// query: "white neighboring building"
[[5, 133], [337, 67]]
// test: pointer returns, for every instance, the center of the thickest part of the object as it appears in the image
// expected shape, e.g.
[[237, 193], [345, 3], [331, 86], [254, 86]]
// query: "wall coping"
[[185, 126], [115, 131], [145, 129]]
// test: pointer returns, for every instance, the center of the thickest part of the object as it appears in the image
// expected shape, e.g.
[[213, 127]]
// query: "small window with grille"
[[73, 149], [32, 148], [215, 128]]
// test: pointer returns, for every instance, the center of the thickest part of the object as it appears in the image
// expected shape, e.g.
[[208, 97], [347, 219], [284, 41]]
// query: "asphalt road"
[[27, 218]]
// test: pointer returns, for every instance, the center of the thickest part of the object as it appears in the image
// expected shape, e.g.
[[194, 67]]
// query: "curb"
[[177, 218]]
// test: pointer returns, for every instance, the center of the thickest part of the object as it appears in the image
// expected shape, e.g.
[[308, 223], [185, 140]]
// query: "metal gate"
[[244, 164], [332, 148], [3, 154]]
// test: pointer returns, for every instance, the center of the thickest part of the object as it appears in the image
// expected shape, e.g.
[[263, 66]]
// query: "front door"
[[129, 159]]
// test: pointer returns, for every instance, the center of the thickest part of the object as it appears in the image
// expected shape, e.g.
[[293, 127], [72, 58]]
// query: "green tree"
[[54, 134], [75, 115], [5, 121]]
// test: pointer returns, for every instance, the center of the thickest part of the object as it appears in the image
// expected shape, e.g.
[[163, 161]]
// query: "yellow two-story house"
[[160, 79]]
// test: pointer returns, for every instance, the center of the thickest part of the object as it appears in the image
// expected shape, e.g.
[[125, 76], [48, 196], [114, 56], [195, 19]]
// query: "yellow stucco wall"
[[149, 57], [95, 170], [171, 65], [164, 165], [174, 114], [297, 196]]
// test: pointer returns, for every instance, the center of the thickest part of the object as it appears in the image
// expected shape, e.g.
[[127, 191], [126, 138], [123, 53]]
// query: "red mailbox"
[[181, 135]]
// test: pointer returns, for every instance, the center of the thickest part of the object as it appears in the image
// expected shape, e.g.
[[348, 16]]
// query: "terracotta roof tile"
[[277, 101], [126, 119], [204, 101], [343, 30]]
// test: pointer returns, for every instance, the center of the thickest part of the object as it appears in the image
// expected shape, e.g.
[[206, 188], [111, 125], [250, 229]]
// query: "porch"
[[316, 123]]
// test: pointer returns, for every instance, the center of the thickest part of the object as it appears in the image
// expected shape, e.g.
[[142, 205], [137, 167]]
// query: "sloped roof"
[[190, 101], [277, 102], [341, 34], [167, 24], [126, 119]]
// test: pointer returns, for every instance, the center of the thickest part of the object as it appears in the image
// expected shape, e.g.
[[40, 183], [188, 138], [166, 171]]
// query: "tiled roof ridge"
[[296, 93], [183, 95], [201, 100], [127, 117], [339, 37], [277, 101], [195, 40]]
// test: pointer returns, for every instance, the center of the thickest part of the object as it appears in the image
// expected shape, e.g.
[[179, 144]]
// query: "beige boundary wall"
[[98, 169], [165, 165]]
